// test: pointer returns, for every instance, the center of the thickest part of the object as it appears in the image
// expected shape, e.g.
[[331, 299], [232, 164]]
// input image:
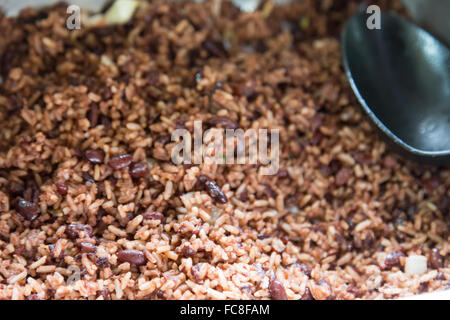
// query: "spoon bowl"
[[401, 77]]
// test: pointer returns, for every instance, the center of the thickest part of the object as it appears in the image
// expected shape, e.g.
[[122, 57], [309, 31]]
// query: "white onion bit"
[[415, 265]]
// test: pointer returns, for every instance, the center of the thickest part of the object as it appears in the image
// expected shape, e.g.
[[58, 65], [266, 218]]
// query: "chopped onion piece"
[[415, 265], [121, 11]]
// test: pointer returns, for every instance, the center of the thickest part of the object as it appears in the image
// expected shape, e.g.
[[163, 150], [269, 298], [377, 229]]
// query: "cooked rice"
[[337, 222]]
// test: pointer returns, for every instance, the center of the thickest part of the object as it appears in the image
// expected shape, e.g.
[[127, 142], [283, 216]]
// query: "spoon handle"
[[432, 15]]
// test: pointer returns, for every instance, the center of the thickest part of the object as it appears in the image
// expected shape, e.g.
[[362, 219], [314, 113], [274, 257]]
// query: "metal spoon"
[[401, 77]]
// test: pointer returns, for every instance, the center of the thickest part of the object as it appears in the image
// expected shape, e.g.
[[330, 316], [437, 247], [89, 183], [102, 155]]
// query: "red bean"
[[74, 231], [102, 262], [277, 291], [243, 196], [316, 121], [436, 260], [93, 114], [307, 295], [88, 178], [134, 257], [106, 93], [247, 90], [61, 188], [213, 190], [152, 78], [270, 192], [215, 48], [87, 247], [188, 251], [343, 176], [104, 293], [390, 162], [95, 156], [393, 259], [105, 121], [222, 122], [121, 161], [28, 210], [138, 170], [153, 215], [282, 173]]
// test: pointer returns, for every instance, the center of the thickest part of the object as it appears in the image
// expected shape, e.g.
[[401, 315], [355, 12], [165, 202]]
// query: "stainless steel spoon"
[[401, 77]]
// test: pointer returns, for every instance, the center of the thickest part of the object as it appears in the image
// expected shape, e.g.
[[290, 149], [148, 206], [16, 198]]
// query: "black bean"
[[121, 161], [74, 231], [277, 291], [95, 156], [138, 170], [134, 257], [61, 188], [28, 210], [213, 190]]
